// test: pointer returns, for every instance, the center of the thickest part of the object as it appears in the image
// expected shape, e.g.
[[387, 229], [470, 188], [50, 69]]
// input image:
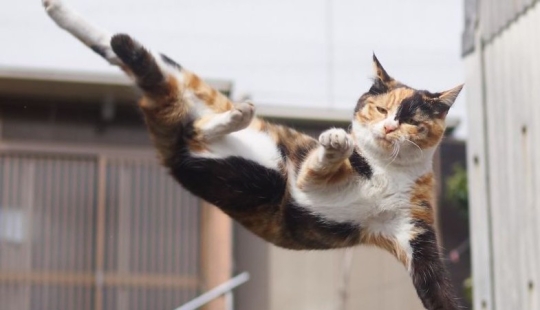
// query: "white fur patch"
[[393, 225], [198, 108], [247, 143]]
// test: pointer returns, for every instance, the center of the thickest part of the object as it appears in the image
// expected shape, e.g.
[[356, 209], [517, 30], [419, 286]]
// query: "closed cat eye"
[[410, 121], [382, 110]]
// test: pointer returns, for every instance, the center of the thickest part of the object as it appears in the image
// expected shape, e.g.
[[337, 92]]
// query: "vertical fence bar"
[[30, 184], [124, 230], [100, 231], [89, 226]]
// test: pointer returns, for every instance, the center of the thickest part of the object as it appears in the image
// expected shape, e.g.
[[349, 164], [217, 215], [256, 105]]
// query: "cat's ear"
[[382, 82], [140, 63], [448, 97], [441, 102]]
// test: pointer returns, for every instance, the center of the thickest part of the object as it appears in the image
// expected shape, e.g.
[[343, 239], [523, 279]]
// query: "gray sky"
[[276, 51]]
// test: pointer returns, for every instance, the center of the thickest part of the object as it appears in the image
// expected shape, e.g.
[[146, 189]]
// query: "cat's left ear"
[[382, 82], [449, 97], [441, 102]]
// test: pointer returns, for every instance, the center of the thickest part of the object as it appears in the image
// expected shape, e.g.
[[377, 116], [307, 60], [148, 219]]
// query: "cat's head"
[[398, 121]]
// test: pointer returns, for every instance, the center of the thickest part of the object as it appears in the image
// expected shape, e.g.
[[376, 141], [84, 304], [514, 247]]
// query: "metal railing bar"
[[216, 292]]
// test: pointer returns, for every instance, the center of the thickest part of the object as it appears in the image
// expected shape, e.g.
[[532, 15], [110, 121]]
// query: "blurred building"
[[501, 48]]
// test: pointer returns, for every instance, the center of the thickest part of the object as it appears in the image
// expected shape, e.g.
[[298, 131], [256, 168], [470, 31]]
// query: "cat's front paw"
[[242, 114], [336, 142]]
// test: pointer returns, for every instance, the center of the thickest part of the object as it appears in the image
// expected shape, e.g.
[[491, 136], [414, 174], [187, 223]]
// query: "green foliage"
[[457, 189], [457, 193], [468, 289]]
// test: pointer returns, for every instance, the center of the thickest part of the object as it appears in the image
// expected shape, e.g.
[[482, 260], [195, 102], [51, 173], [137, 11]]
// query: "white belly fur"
[[247, 143]]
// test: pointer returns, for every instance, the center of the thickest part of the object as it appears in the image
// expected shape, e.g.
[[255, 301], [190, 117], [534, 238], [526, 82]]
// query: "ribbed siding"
[[492, 17], [504, 116], [141, 253]]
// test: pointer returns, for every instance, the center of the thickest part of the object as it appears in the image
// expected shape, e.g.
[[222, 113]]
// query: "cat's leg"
[[328, 163], [415, 246], [428, 272], [213, 126], [96, 39]]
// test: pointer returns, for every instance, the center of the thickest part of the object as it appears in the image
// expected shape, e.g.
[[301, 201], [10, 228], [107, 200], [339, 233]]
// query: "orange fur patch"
[[212, 98], [435, 129], [330, 175], [422, 199]]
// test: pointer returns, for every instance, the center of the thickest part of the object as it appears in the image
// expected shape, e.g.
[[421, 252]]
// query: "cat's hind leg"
[[414, 244], [428, 272]]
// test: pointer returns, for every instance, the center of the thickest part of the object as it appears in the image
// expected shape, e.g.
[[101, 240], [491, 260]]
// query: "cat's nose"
[[388, 128]]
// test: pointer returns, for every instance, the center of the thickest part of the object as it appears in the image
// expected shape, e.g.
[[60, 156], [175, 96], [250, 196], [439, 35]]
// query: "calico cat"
[[372, 185]]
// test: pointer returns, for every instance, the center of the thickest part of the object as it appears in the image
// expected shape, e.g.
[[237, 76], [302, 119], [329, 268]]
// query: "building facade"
[[500, 49]]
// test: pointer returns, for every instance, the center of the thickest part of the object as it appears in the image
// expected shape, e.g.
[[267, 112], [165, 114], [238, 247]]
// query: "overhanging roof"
[[96, 87], [65, 85]]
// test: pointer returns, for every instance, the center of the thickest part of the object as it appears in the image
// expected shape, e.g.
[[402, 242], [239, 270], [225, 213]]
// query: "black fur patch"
[[316, 233], [415, 105], [429, 273], [140, 61], [360, 165], [378, 87], [231, 183], [283, 150]]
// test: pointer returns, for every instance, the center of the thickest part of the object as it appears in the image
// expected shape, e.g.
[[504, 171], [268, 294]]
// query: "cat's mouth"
[[385, 141], [385, 138]]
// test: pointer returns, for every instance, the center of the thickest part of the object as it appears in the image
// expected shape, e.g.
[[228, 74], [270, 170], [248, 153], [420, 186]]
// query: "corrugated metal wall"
[[493, 17], [503, 100], [94, 232], [497, 14]]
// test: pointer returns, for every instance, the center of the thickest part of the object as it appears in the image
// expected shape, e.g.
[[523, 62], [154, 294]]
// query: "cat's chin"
[[385, 143]]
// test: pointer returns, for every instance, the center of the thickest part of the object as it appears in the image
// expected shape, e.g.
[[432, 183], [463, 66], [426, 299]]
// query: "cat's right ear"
[[140, 63], [382, 82]]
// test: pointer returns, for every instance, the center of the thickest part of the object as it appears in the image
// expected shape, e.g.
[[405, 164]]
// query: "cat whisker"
[[421, 151], [395, 153], [394, 148]]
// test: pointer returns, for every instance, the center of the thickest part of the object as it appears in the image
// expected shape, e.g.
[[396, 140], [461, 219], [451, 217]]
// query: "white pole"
[[216, 292], [345, 278]]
